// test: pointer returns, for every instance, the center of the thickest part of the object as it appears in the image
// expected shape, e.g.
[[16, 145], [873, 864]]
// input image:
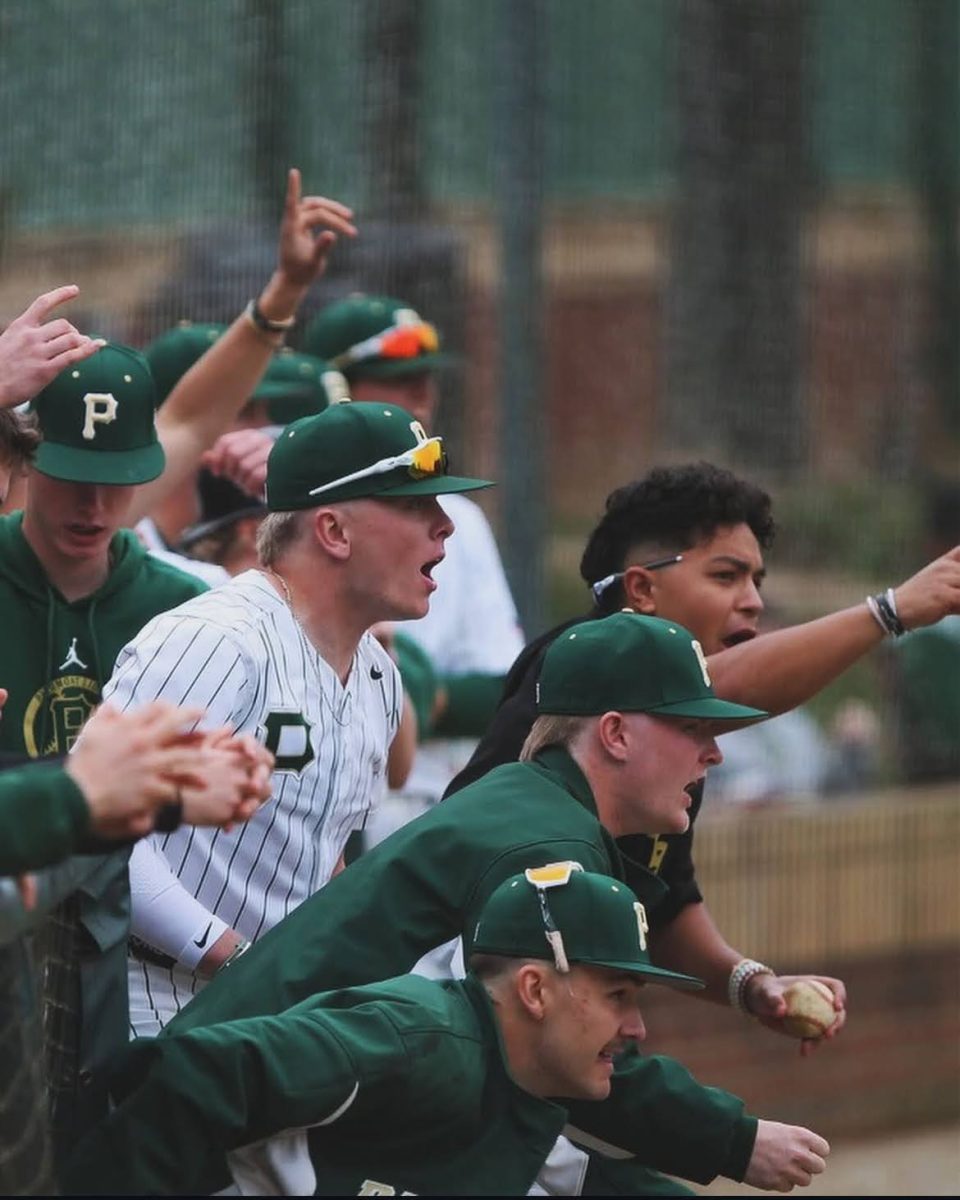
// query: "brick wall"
[[865, 890], [896, 1064]]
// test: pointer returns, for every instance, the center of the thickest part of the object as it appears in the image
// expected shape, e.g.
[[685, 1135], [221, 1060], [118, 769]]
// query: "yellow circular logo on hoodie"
[[70, 701]]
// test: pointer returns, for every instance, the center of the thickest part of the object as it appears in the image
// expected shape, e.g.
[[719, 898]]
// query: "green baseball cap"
[[172, 354], [293, 386], [96, 419], [298, 385], [632, 663], [375, 337], [562, 913], [356, 450]]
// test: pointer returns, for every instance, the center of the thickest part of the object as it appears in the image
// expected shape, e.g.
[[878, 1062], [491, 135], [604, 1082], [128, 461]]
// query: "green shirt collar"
[[650, 888], [558, 761], [535, 1110]]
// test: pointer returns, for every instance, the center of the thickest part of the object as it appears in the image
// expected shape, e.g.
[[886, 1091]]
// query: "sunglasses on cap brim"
[[423, 461], [398, 342]]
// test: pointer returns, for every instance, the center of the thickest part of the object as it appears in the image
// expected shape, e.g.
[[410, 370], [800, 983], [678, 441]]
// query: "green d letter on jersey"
[[288, 740]]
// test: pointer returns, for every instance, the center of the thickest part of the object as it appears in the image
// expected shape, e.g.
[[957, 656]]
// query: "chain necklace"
[[342, 717]]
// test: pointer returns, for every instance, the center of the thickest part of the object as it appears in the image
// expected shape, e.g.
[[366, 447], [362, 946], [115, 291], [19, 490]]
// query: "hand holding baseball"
[[812, 1008]]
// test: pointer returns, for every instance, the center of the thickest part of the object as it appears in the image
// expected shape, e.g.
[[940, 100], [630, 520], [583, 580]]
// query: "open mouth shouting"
[[428, 568], [738, 637]]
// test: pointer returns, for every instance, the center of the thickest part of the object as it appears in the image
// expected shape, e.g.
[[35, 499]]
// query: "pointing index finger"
[[293, 190], [44, 305]]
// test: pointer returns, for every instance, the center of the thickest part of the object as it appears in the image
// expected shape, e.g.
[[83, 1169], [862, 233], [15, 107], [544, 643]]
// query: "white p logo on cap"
[[101, 409], [701, 659]]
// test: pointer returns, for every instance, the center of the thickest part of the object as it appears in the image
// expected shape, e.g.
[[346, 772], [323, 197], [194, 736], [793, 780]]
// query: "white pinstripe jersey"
[[238, 652]]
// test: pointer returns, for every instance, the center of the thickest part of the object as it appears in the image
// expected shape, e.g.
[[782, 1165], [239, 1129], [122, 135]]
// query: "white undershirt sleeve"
[[163, 913]]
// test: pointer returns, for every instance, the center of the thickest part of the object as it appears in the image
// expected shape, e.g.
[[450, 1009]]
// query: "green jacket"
[[55, 656], [43, 818], [403, 1084], [424, 885]]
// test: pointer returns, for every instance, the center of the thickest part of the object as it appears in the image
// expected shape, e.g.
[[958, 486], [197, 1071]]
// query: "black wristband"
[[264, 323], [144, 952], [169, 817], [891, 621]]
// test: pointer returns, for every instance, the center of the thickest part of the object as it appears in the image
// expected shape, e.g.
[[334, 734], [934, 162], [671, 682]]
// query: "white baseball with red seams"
[[810, 1011]]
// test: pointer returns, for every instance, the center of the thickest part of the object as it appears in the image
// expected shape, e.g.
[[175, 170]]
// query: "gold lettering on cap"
[[101, 410]]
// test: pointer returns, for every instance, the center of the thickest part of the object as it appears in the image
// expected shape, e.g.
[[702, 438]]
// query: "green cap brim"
[[682, 983], [709, 708], [269, 390], [119, 467], [394, 368], [436, 485]]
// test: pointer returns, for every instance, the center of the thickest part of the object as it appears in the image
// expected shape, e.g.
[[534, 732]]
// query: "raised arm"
[[208, 397], [785, 668]]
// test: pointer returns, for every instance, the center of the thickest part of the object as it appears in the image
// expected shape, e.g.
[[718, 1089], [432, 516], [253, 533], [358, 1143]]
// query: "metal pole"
[[518, 132]]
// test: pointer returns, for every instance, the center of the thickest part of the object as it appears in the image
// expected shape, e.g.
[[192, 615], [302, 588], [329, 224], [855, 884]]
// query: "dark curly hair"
[[671, 508], [18, 438]]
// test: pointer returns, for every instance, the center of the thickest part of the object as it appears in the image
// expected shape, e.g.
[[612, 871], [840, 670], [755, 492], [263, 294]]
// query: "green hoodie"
[[55, 656]]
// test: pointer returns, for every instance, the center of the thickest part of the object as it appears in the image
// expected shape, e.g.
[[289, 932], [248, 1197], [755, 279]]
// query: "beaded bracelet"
[[741, 974]]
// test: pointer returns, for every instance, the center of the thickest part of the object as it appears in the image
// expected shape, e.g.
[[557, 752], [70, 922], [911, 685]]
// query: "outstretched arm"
[[196, 1095], [208, 397], [693, 945], [785, 668], [785, 1157]]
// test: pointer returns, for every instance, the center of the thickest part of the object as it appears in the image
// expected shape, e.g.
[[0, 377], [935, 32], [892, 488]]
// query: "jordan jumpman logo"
[[73, 659]]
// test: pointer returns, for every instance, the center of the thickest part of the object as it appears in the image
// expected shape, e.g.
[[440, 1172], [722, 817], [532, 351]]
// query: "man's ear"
[[612, 734], [638, 585], [531, 985], [332, 533]]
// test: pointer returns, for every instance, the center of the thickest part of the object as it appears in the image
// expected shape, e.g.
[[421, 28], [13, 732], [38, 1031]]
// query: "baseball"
[[810, 1011]]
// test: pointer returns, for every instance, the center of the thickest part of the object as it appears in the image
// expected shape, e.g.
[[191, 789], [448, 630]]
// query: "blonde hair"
[[277, 533], [552, 730]]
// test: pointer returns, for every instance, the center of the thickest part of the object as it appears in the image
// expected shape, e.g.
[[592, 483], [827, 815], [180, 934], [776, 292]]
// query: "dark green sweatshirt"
[[55, 657], [55, 654]]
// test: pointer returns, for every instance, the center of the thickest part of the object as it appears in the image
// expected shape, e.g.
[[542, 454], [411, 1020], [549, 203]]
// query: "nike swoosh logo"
[[376, 673], [201, 942]]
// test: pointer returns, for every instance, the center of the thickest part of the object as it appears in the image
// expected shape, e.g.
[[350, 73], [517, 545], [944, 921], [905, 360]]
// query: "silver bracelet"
[[875, 613], [741, 974], [883, 607], [241, 948], [264, 323]]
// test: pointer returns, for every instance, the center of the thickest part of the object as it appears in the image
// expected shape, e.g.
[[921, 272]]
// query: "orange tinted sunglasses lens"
[[407, 341]]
